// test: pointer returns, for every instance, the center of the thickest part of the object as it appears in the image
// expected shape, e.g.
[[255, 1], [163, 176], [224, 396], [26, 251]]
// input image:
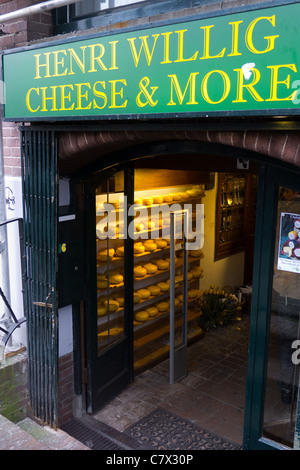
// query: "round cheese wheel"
[[102, 284], [176, 302], [144, 293], [158, 199], [185, 195], [147, 201], [164, 286], [193, 293], [138, 248], [120, 251], [150, 268], [168, 198], [101, 310], [115, 277], [152, 311], [154, 290], [160, 243], [150, 245], [139, 227], [162, 264], [176, 196], [192, 192], [120, 301], [141, 316], [111, 305], [139, 271], [136, 298], [162, 306], [196, 253], [103, 255], [138, 202]]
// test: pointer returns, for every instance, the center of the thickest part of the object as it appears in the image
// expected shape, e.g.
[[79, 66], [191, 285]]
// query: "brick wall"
[[18, 33], [13, 388], [66, 388]]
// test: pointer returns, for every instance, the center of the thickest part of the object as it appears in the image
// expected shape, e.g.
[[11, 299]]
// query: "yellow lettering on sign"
[[180, 48], [190, 83], [270, 39], [81, 95], [226, 86], [28, 95], [58, 63], [64, 97], [144, 46], [99, 94], [79, 62], [248, 86], [38, 65], [49, 98], [275, 82], [114, 92], [206, 52], [96, 59]]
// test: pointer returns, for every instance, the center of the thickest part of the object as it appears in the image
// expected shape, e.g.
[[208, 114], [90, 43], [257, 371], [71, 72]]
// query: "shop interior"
[[220, 200]]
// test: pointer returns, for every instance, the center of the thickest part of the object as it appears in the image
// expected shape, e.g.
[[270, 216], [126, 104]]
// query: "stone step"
[[53, 439], [29, 435]]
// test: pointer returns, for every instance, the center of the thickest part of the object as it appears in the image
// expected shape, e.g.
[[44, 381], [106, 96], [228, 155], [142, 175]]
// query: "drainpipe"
[[44, 6]]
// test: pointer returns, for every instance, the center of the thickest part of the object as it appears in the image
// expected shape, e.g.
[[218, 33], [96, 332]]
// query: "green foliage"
[[218, 309]]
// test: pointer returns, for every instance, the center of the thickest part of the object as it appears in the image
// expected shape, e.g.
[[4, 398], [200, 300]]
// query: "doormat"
[[163, 430]]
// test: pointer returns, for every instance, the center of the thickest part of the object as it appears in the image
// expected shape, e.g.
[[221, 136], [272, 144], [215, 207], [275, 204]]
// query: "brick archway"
[[78, 149]]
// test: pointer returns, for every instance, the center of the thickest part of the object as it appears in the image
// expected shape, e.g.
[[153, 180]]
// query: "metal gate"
[[40, 196]]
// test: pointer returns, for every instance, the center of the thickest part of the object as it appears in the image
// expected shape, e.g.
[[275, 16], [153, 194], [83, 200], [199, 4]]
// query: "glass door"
[[109, 324], [272, 404]]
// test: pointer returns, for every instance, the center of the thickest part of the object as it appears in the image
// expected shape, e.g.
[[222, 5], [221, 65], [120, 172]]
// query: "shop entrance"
[[220, 200], [216, 282]]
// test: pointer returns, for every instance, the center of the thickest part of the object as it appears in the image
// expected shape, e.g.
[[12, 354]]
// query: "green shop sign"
[[237, 64]]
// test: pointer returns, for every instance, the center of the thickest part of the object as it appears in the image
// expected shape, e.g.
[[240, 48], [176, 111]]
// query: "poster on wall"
[[289, 242]]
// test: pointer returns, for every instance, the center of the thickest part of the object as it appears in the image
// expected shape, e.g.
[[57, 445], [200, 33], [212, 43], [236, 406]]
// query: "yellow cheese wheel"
[[164, 286], [185, 195], [152, 311], [197, 272], [102, 284], [196, 253], [120, 301], [189, 276], [154, 290], [176, 302], [111, 305], [103, 255], [150, 268], [136, 298], [141, 316], [158, 199], [162, 306], [101, 310], [150, 245], [139, 271], [192, 192], [138, 248], [160, 243], [138, 202], [115, 277], [139, 227], [180, 298], [147, 201], [162, 264], [168, 198], [176, 196], [193, 293], [144, 293], [120, 251]]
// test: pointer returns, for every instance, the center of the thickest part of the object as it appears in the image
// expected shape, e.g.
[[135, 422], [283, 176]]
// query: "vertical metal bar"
[[172, 297], [185, 278]]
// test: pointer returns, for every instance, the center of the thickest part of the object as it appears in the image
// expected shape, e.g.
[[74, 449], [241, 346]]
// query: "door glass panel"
[[110, 261], [280, 413]]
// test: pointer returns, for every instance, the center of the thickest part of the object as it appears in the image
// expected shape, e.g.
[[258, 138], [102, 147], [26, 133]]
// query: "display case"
[[235, 213], [150, 230]]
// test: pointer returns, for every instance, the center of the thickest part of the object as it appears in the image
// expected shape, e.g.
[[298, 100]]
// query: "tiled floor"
[[212, 394]]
